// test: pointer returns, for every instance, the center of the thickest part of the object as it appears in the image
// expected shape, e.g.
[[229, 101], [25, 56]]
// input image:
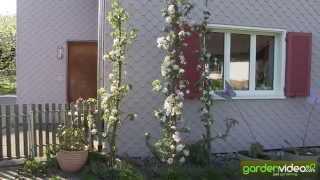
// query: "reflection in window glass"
[[215, 45], [265, 63], [240, 61]]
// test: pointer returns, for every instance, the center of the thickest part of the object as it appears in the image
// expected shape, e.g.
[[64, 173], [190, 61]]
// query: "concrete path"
[[12, 173]]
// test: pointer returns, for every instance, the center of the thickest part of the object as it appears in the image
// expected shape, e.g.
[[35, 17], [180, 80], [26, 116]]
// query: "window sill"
[[260, 97], [8, 96], [255, 96]]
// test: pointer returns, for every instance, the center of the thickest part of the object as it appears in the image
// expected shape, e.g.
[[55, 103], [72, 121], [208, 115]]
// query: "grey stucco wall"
[[42, 27], [271, 121]]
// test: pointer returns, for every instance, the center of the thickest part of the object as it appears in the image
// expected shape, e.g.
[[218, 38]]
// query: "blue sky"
[[7, 7]]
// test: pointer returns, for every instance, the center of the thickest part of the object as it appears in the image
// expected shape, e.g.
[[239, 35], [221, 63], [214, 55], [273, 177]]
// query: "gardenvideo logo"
[[278, 168]]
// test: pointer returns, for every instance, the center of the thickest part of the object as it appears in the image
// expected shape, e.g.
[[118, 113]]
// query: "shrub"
[[33, 167], [98, 169], [190, 173], [71, 138]]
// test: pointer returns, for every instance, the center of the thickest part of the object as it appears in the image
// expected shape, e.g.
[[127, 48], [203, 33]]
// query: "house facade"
[[258, 47]]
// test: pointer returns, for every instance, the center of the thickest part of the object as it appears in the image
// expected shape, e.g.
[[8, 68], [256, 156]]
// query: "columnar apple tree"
[[170, 148], [112, 98]]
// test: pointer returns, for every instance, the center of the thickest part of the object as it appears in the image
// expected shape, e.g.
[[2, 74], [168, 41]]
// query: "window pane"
[[240, 61], [215, 45], [265, 63]]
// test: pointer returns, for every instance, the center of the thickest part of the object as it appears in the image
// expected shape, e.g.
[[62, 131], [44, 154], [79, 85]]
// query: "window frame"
[[279, 59]]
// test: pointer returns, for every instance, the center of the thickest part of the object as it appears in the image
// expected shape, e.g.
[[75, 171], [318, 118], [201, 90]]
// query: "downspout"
[[101, 32], [101, 65]]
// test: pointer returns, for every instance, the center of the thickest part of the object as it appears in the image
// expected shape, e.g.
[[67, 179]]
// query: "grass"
[[7, 85]]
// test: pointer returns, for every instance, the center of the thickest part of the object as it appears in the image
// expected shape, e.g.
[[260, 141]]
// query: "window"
[[240, 61], [252, 60], [265, 62], [217, 52]]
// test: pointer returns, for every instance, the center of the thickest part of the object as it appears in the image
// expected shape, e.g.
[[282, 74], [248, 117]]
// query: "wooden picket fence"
[[27, 130]]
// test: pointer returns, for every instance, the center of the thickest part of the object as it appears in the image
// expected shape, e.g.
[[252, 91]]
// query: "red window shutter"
[[192, 56], [298, 67]]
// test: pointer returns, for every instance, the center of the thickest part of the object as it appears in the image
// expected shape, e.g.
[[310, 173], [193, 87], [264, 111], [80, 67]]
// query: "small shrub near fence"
[[27, 130], [7, 82]]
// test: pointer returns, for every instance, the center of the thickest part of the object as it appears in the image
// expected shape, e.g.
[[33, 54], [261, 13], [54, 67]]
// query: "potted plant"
[[256, 152], [72, 154]]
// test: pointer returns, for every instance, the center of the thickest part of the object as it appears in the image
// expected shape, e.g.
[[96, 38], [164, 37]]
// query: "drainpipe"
[[101, 32], [101, 65]]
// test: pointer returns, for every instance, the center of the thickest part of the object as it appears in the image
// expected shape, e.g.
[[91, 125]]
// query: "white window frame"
[[279, 59]]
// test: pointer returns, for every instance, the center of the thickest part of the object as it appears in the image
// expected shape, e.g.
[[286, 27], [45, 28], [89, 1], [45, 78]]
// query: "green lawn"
[[7, 85]]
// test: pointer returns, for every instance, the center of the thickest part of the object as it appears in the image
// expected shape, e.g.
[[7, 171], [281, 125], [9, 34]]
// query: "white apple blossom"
[[164, 71], [180, 94], [170, 38], [182, 86], [170, 161], [113, 88], [180, 147], [104, 134], [182, 34], [176, 67], [176, 137], [206, 68], [172, 147], [182, 160], [157, 87], [94, 131], [167, 59], [168, 105], [162, 43], [204, 111], [116, 42], [163, 119], [112, 118], [176, 111], [114, 111], [146, 134], [171, 9], [157, 114], [165, 90], [182, 59], [212, 93], [186, 152], [169, 20], [111, 76], [135, 116]]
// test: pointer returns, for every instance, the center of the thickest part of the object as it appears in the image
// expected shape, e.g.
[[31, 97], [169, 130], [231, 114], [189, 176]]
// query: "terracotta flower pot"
[[72, 161]]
